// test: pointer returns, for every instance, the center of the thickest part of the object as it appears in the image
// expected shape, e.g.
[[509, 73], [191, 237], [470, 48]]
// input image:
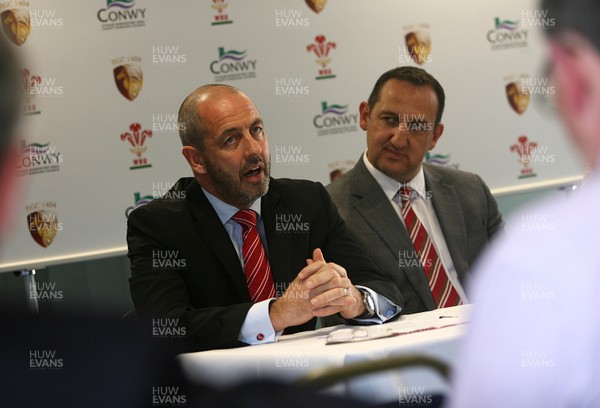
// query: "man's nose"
[[251, 145], [399, 136]]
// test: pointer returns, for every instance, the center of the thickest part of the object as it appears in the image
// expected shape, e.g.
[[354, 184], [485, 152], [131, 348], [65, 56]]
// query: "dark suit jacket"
[[205, 286], [465, 209]]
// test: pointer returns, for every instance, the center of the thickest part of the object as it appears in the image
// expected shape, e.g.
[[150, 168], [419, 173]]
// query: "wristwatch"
[[369, 303]]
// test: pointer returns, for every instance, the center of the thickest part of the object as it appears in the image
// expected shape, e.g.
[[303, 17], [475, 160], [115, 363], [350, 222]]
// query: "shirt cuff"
[[257, 327], [384, 308]]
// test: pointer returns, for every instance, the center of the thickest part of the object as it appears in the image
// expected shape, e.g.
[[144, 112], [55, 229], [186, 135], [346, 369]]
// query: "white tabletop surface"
[[293, 356]]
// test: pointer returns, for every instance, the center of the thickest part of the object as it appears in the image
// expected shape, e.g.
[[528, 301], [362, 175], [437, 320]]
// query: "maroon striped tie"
[[444, 293], [256, 264]]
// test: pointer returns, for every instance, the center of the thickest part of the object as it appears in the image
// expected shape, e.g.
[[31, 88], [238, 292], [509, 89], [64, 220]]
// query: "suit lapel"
[[450, 217], [208, 226], [376, 209]]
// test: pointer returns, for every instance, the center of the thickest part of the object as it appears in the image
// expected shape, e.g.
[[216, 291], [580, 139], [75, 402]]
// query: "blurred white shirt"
[[534, 336]]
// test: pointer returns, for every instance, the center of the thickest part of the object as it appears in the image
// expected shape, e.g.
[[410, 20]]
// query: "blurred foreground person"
[[534, 337], [9, 107]]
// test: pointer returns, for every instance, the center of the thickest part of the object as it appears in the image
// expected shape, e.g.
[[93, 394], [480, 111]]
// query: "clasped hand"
[[320, 289]]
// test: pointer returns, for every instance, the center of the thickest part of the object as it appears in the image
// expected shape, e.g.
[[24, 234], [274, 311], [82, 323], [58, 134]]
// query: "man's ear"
[[363, 110], [194, 158], [437, 133]]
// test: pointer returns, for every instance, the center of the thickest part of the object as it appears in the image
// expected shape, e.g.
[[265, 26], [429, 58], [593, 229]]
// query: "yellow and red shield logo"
[[316, 5], [418, 44], [43, 225], [517, 99], [16, 24], [129, 80]]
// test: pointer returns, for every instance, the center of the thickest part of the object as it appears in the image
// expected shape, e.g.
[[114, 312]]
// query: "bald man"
[[216, 254]]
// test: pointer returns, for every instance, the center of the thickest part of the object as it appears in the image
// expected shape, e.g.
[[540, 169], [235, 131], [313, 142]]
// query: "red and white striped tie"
[[444, 293], [256, 264]]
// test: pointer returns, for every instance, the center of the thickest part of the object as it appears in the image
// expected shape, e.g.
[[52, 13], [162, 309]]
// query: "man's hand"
[[331, 290], [320, 289], [293, 307]]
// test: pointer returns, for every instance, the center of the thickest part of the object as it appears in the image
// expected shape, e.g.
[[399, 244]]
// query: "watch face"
[[369, 303]]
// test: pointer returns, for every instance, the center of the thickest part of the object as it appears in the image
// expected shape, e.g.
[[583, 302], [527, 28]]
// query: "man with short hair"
[[534, 336], [423, 225], [233, 254]]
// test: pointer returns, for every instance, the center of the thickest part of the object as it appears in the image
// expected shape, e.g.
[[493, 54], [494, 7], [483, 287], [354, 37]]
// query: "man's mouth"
[[395, 152], [255, 171]]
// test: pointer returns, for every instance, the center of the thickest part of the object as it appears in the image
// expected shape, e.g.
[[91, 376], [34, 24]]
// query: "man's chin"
[[252, 191], [401, 174], [256, 189]]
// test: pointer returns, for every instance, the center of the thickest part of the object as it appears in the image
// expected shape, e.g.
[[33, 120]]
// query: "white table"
[[296, 355]]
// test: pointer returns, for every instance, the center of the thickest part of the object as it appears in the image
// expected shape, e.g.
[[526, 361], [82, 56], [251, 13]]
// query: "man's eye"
[[256, 130], [229, 140], [391, 120], [418, 127]]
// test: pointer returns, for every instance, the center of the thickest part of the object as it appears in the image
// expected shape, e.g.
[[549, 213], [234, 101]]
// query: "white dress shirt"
[[257, 327], [534, 336], [423, 208]]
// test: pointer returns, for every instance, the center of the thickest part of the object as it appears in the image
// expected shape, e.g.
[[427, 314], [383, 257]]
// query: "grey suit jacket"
[[465, 209]]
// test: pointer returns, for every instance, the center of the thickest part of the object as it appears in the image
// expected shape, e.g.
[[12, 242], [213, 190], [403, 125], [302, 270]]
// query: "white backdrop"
[[80, 178]]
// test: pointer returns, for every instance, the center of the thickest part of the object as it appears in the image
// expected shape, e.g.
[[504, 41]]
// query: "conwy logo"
[[38, 158], [220, 18], [15, 20], [128, 76], [321, 48], [440, 160], [121, 14], [138, 202], [334, 119], [136, 138], [233, 65], [507, 34]]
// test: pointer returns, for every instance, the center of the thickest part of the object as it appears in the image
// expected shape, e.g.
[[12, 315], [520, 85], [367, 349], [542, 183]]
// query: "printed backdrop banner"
[[104, 80]]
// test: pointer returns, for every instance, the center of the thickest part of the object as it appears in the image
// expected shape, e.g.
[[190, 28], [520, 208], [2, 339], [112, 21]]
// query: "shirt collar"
[[390, 186], [226, 211]]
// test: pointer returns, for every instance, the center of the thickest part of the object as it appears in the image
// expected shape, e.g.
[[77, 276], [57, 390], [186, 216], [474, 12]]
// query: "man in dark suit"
[[190, 257], [403, 122], [89, 361]]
